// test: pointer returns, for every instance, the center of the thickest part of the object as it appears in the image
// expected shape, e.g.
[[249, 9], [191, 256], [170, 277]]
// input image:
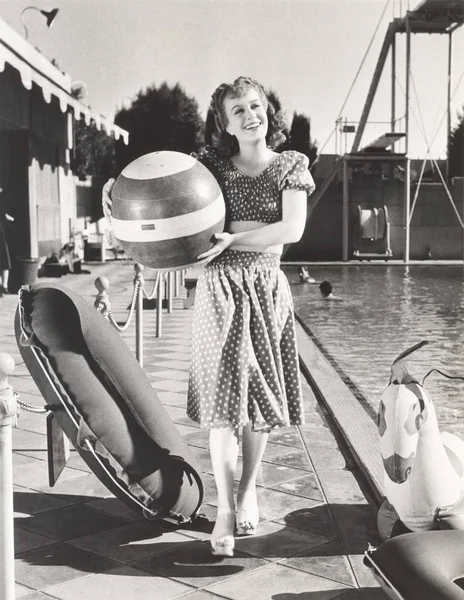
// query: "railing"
[[166, 284]]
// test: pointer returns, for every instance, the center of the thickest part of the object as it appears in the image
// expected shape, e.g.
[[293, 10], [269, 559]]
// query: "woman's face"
[[246, 117]]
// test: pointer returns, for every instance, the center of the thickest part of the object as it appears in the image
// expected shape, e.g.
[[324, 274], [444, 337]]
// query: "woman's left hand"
[[224, 240]]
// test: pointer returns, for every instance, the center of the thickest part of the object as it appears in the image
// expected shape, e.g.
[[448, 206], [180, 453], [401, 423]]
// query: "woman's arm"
[[287, 231]]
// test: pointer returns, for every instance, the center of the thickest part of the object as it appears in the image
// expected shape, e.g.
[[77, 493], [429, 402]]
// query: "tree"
[[94, 152], [160, 118], [210, 127], [456, 148], [300, 137]]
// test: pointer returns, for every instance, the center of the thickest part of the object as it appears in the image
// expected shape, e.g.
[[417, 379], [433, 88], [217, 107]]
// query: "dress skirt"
[[244, 367]]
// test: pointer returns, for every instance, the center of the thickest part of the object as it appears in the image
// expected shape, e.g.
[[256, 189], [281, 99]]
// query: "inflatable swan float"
[[423, 468]]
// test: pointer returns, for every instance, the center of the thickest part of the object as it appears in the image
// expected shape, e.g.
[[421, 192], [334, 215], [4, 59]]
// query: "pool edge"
[[353, 423]]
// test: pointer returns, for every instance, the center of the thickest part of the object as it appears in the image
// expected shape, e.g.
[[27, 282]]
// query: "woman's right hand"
[[106, 198]]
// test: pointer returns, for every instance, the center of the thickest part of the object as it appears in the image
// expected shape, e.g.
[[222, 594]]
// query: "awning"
[[33, 67]]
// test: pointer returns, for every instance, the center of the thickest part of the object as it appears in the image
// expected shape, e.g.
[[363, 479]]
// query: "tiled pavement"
[[76, 541]]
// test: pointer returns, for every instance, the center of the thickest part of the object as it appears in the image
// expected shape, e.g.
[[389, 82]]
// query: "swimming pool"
[[382, 311]]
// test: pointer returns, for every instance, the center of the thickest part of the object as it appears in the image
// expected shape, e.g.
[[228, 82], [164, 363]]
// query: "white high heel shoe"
[[224, 544], [247, 518]]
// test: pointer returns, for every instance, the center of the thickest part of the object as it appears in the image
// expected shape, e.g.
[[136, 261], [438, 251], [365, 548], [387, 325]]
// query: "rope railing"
[[169, 282]]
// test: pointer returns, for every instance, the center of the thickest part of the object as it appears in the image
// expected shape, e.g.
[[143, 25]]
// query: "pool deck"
[[318, 490]]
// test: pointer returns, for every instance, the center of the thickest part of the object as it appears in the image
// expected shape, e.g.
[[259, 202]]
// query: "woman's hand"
[[106, 198], [224, 240]]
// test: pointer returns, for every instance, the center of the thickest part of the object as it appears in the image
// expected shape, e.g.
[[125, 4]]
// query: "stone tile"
[[274, 505], [21, 591], [270, 474], [288, 437], [167, 354], [306, 486], [327, 561], [114, 506], [70, 522], [274, 541], [197, 437], [181, 365], [172, 386], [38, 569], [194, 564], [123, 582], [172, 399], [172, 373], [364, 575], [34, 596], [77, 462], [281, 583], [285, 455], [24, 459], [132, 542], [34, 475], [26, 540], [27, 442], [82, 484], [315, 519], [201, 595]]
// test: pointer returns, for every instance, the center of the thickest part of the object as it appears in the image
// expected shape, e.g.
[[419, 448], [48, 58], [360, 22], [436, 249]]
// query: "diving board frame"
[[429, 16]]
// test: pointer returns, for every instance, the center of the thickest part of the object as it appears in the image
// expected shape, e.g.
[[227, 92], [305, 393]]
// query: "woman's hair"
[[226, 144]]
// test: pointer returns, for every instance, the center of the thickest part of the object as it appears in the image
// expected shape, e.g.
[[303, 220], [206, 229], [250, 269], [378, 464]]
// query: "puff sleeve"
[[295, 173]]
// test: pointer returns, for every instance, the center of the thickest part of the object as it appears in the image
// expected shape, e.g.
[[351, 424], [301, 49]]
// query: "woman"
[[244, 371]]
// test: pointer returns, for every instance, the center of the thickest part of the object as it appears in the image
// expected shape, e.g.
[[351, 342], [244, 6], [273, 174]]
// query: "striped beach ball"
[[166, 208]]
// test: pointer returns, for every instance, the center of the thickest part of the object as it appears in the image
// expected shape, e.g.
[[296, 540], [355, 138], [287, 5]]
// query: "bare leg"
[[223, 444], [253, 447]]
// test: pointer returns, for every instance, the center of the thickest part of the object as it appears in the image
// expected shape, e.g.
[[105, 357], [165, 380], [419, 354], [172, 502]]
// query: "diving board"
[[383, 142]]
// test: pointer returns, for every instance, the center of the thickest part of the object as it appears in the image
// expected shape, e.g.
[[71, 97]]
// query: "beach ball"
[[167, 207]]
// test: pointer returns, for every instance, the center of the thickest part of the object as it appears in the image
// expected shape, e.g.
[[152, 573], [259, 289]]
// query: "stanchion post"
[[102, 301], [139, 313], [8, 412], [159, 304], [170, 287]]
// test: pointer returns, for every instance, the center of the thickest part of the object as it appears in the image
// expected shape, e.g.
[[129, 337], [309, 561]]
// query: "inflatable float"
[[425, 565], [423, 468], [105, 404]]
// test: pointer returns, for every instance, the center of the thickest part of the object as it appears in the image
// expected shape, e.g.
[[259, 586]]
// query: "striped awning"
[[33, 67]]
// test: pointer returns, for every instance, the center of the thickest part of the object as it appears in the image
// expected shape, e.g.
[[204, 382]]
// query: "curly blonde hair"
[[227, 144]]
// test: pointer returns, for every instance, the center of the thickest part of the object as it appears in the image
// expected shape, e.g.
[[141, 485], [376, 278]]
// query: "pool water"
[[381, 311]]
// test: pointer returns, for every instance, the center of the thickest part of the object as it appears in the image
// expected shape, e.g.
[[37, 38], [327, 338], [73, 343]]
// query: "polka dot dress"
[[244, 367]]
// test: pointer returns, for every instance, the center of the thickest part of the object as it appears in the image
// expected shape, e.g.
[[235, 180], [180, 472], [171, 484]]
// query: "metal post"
[[8, 411], [393, 90], [170, 286], [448, 109], [345, 209], [139, 313], [159, 304], [407, 170]]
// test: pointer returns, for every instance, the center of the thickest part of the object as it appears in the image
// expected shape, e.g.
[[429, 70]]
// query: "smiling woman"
[[244, 373]]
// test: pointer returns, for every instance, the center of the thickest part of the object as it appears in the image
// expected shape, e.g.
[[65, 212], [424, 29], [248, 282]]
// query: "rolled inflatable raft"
[[424, 565], [105, 404]]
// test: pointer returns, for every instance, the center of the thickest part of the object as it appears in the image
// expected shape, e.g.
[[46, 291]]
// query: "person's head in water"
[[326, 289]]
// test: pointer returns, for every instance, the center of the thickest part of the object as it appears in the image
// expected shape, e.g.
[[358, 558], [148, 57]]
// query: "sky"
[[310, 52]]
